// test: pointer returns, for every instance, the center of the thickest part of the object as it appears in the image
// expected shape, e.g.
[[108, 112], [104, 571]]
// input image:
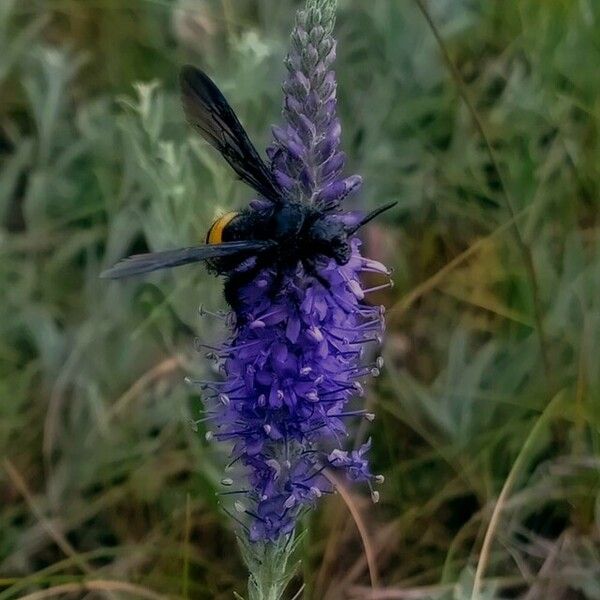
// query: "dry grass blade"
[[360, 525], [518, 466], [298, 594], [416, 593], [523, 247], [536, 591], [426, 592], [95, 585], [162, 369], [60, 540], [385, 541], [336, 529], [400, 307]]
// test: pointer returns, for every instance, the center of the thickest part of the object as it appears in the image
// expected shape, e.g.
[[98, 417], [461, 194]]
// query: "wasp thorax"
[[329, 237]]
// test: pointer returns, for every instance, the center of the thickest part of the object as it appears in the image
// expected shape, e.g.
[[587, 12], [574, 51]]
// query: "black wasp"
[[240, 244]]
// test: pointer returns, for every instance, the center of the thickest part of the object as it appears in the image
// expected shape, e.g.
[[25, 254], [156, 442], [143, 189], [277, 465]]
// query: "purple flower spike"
[[295, 358], [307, 147]]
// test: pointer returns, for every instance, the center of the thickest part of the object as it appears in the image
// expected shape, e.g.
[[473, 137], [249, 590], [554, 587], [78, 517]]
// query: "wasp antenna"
[[371, 216]]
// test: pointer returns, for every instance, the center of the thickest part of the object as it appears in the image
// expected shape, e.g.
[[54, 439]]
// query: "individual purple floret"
[[294, 361]]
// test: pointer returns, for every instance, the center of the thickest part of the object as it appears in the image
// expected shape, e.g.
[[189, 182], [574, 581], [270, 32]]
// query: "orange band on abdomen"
[[215, 233]]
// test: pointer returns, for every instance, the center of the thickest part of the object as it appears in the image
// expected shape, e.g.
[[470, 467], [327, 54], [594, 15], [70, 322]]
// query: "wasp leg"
[[310, 268], [240, 277], [234, 282], [277, 283]]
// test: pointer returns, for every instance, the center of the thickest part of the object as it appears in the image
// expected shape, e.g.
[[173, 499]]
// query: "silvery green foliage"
[[15, 42], [171, 192], [78, 174]]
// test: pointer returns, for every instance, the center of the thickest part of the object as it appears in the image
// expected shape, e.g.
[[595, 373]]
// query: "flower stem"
[[271, 567]]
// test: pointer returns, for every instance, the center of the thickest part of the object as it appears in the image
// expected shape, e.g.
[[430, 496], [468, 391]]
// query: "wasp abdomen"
[[216, 234]]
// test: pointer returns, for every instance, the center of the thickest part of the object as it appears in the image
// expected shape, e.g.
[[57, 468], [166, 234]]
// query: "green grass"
[[488, 428]]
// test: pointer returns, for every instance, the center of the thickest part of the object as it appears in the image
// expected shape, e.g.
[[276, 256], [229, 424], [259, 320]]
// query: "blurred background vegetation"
[[488, 409]]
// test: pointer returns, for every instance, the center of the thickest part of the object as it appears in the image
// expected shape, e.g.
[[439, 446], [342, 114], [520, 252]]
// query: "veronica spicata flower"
[[295, 360]]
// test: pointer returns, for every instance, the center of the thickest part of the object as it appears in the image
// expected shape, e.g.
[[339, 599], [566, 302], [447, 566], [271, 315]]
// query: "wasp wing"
[[209, 112], [153, 261]]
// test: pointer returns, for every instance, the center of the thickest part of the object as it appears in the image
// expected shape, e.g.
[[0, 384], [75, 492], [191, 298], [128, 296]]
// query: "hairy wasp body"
[[279, 232]]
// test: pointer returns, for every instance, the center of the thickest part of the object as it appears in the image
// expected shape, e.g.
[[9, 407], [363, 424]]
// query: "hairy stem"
[[271, 567]]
